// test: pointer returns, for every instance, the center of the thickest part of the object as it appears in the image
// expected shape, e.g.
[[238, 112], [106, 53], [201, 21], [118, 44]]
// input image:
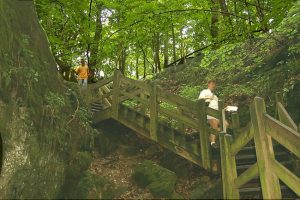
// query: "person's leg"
[[84, 84], [214, 123], [80, 82]]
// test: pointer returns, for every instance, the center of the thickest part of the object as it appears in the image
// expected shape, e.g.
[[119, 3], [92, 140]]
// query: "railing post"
[[228, 163], [116, 94], [264, 152], [143, 107], [204, 136], [278, 99], [153, 112], [235, 123], [181, 125], [222, 116]]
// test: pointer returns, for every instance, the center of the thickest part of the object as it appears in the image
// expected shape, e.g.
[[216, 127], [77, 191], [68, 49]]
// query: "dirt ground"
[[119, 165]]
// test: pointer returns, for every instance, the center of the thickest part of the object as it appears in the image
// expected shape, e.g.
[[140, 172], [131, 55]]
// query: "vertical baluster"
[[116, 95], [229, 173], [153, 112], [235, 124], [204, 135]]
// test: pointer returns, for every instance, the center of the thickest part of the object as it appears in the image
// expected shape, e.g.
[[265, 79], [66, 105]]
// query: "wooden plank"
[[106, 96], [180, 118], [246, 176], [212, 112], [134, 97], [116, 95], [242, 140], [283, 134], [204, 136], [101, 83], [177, 150], [264, 152], [153, 112], [103, 115], [290, 179], [125, 98], [139, 84], [181, 124], [285, 118], [229, 172], [184, 103], [222, 116], [235, 120], [143, 106]]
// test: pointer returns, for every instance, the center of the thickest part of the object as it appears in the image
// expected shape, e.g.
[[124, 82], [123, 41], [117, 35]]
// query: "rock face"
[[40, 127]]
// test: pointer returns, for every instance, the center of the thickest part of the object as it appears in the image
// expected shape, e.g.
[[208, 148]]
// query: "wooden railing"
[[151, 99], [264, 129]]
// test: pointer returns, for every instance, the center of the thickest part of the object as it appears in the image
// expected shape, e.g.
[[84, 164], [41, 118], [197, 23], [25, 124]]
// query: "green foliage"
[[160, 181], [139, 37], [55, 101], [190, 92]]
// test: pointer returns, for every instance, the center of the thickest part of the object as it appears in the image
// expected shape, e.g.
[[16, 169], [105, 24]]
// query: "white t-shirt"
[[213, 103]]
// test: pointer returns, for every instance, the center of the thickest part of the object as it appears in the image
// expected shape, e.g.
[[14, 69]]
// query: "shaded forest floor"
[[130, 150]]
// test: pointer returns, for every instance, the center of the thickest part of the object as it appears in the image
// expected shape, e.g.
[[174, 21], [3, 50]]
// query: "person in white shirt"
[[212, 99]]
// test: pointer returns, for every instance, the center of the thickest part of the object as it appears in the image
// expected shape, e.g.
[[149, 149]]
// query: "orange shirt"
[[83, 72]]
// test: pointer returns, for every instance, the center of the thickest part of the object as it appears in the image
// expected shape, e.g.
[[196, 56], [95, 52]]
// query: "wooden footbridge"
[[259, 161]]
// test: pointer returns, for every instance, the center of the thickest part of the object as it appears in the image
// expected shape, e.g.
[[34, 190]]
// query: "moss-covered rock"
[[93, 186], [104, 145], [79, 164], [207, 189], [160, 181]]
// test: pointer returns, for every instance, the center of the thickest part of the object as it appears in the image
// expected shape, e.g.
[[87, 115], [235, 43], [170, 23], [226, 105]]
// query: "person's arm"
[[76, 69]]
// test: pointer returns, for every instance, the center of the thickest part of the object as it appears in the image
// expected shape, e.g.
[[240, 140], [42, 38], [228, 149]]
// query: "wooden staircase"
[[240, 171]]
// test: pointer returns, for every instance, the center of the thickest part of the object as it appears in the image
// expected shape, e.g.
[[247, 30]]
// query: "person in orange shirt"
[[82, 72]]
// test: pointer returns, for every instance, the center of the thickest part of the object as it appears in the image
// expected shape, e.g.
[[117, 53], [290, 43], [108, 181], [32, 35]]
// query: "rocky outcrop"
[[42, 122]]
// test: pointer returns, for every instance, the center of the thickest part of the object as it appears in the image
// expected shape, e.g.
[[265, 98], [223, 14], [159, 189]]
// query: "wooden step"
[[242, 168]]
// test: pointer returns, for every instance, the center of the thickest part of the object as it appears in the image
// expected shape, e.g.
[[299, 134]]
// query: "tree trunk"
[[166, 50], [214, 19], [137, 66], [94, 50], [174, 43]]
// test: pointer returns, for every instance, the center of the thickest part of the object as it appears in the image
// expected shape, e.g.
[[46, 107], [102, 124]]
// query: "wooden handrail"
[[283, 134], [263, 129], [183, 103], [246, 176], [242, 140], [284, 117], [180, 117], [101, 83], [290, 179]]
